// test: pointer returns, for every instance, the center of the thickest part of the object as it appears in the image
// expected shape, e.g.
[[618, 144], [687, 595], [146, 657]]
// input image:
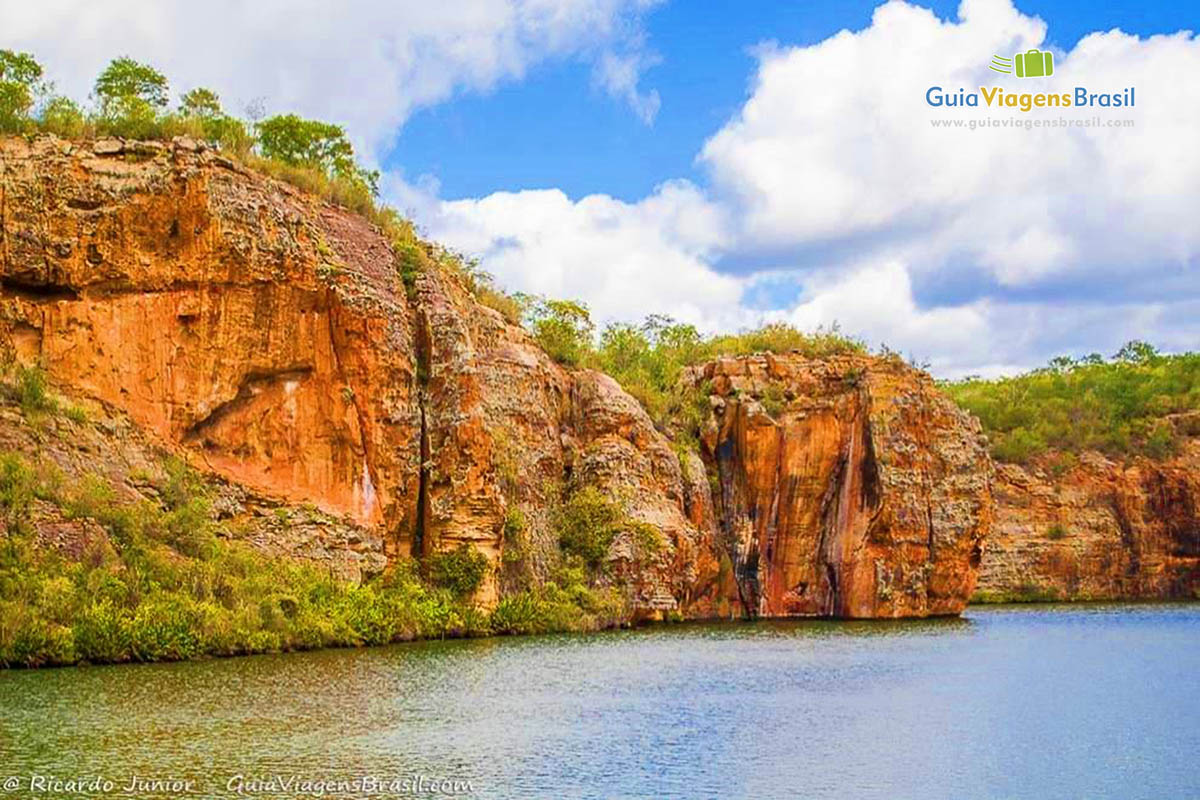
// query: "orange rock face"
[[1101, 530], [262, 330], [848, 487], [508, 431], [267, 336]]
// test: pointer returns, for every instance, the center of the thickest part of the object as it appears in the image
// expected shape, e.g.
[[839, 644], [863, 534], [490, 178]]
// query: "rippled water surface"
[[1031, 702]]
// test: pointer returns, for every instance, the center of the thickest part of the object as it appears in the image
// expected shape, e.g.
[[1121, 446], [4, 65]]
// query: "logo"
[[1030, 64]]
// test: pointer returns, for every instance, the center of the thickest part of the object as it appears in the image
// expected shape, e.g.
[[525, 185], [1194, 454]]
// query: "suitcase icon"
[[1035, 64]]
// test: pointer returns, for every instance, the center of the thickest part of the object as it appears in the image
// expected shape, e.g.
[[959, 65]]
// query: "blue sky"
[[554, 129]]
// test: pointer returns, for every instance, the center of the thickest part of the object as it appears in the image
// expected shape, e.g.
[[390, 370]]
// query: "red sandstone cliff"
[[849, 486], [267, 337], [1100, 530]]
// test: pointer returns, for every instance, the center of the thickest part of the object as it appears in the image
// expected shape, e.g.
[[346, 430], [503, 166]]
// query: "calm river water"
[[1010, 702]]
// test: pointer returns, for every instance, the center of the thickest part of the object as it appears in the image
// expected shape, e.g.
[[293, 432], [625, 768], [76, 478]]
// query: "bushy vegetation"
[[459, 571], [564, 604], [648, 360], [1120, 406], [167, 582], [28, 388], [1025, 593], [132, 100], [587, 524]]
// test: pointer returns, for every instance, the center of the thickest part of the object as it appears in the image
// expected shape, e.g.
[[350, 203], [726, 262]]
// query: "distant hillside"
[[1136, 403]]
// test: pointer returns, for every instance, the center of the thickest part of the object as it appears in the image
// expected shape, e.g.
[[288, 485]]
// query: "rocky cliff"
[[848, 486], [1098, 530], [268, 338]]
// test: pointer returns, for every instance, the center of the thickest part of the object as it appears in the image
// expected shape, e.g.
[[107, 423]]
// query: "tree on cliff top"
[[201, 109], [299, 142], [130, 96], [563, 328], [306, 142], [20, 82], [124, 79], [201, 102]]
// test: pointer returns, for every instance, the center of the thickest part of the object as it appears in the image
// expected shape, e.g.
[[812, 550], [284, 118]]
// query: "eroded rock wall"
[[267, 337], [262, 330], [849, 487], [509, 431], [1100, 530]]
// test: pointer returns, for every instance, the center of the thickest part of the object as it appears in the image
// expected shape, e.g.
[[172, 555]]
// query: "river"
[[1043, 702]]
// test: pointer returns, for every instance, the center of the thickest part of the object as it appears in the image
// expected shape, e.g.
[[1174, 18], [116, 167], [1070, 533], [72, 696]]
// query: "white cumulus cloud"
[[367, 64], [985, 249]]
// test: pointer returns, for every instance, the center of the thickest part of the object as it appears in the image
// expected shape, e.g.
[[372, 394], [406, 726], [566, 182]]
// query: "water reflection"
[[1015, 702]]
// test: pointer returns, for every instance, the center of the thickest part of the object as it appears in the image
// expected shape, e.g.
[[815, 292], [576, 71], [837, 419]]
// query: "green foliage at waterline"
[[164, 582]]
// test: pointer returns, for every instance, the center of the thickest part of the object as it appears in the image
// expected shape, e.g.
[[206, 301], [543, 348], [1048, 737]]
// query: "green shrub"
[[63, 117], [518, 614], [103, 633], [15, 101], [1056, 532], [1162, 441], [561, 327], [33, 393], [587, 523], [30, 641], [370, 615], [460, 571], [20, 83], [17, 490], [773, 400], [647, 541], [164, 628], [1019, 446]]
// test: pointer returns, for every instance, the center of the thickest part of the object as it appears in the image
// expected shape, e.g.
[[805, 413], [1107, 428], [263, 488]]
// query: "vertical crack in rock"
[[772, 524], [1128, 537], [422, 344], [829, 540]]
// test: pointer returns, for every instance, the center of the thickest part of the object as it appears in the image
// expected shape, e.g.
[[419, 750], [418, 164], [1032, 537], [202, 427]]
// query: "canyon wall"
[[268, 338], [1098, 530], [848, 486], [264, 333]]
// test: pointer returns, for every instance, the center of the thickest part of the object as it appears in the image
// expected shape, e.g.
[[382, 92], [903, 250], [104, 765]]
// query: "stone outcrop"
[[263, 331], [106, 447], [849, 486], [508, 431], [267, 337], [1099, 530]]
